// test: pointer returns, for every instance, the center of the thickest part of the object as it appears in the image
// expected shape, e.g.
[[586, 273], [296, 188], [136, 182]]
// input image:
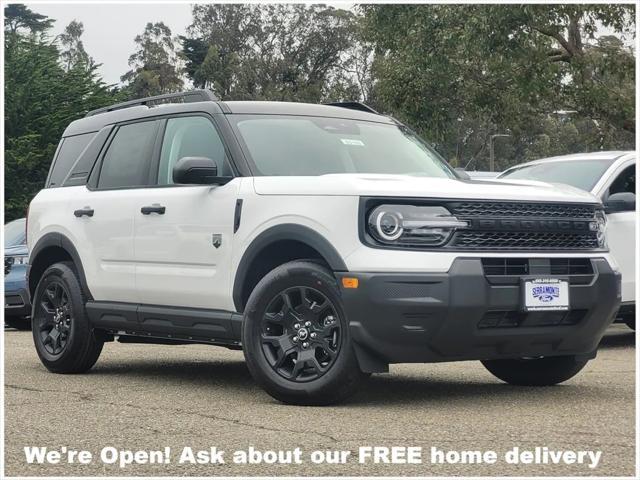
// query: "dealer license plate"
[[545, 294]]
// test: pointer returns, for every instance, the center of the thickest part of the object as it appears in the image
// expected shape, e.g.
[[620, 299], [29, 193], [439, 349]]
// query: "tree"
[[73, 53], [18, 17], [154, 64], [462, 73], [41, 99], [270, 52]]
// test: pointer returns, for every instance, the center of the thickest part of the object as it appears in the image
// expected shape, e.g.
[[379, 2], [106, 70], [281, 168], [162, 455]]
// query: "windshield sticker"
[[353, 142]]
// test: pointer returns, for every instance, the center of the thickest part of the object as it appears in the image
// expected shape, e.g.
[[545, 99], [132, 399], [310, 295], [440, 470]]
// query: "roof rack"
[[353, 106], [181, 97]]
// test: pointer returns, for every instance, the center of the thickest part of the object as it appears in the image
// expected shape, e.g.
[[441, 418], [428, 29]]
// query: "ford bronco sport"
[[326, 241]]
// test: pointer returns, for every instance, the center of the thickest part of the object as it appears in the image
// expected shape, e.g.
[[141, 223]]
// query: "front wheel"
[[296, 339], [63, 337], [536, 371]]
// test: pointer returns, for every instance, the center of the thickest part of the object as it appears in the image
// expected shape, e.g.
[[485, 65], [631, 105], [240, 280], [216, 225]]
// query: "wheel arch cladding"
[[50, 249], [278, 245]]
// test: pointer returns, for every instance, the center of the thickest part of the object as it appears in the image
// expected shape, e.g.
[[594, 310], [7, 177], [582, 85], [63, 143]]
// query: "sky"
[[109, 29]]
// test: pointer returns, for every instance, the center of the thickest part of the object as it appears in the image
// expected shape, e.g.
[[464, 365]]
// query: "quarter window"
[[126, 163], [191, 137], [70, 150]]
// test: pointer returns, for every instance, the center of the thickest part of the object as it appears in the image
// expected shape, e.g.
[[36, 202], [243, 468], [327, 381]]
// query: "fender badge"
[[216, 240]]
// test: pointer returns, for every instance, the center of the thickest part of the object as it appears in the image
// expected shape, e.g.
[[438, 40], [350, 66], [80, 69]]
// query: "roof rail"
[[180, 97], [353, 106]]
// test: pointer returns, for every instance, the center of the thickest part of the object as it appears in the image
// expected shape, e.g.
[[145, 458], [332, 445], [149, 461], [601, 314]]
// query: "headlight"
[[412, 226], [17, 260], [599, 225]]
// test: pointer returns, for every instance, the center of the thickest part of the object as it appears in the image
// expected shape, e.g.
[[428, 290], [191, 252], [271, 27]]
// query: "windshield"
[[583, 174], [15, 233], [309, 146]]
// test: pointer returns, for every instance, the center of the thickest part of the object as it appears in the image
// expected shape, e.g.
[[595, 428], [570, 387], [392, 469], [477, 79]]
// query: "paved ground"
[[150, 397]]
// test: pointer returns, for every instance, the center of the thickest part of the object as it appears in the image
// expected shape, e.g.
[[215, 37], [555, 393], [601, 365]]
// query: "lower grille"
[[515, 318], [507, 271], [524, 241]]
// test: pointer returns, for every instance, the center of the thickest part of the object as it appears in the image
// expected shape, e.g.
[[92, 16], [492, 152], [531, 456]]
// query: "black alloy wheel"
[[53, 318], [64, 338], [301, 334], [296, 338]]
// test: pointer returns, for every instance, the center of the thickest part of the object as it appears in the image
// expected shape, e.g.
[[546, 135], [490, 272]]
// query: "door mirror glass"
[[620, 202], [196, 171]]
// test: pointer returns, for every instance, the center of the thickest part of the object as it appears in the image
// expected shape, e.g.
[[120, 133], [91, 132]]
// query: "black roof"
[[154, 106]]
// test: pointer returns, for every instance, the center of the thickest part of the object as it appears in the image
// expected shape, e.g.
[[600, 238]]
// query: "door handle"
[[155, 208], [84, 212]]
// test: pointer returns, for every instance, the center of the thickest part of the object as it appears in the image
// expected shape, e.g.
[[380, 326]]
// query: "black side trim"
[[286, 231], [55, 239], [182, 323], [237, 215]]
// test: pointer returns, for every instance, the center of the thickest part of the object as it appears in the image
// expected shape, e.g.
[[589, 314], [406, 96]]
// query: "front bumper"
[[16, 303], [466, 315]]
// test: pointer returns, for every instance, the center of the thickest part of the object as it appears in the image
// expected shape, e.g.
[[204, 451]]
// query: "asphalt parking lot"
[[151, 397]]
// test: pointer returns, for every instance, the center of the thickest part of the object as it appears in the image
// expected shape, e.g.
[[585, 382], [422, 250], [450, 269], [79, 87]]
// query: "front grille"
[[506, 209], [7, 265], [515, 318], [474, 240], [525, 226]]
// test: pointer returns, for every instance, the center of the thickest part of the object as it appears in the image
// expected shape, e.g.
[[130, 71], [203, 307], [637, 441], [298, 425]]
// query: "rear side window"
[[126, 162], [70, 150]]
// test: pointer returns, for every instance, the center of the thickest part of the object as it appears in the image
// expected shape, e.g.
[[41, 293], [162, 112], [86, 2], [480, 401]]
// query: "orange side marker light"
[[349, 282]]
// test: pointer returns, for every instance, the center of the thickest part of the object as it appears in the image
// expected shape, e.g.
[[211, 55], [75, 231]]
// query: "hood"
[[349, 184], [16, 250]]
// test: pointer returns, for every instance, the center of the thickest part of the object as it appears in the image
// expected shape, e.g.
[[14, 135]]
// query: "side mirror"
[[620, 202], [195, 170], [462, 173]]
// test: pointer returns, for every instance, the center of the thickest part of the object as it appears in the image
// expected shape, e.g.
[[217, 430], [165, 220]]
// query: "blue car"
[[17, 307]]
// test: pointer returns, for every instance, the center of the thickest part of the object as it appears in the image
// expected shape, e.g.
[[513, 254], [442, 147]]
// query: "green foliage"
[[460, 73], [73, 53], [42, 97], [154, 69], [270, 52]]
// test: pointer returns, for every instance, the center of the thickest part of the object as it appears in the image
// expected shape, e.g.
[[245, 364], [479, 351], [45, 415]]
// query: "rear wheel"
[[19, 323], [295, 336], [63, 337], [536, 371]]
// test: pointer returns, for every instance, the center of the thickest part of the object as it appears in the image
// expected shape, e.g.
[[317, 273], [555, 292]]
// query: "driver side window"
[[625, 182], [191, 137]]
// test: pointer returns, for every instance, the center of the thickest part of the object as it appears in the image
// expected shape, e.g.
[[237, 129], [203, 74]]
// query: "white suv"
[[611, 177], [325, 241]]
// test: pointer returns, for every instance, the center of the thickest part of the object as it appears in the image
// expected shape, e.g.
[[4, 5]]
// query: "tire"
[[326, 370], [74, 346], [19, 323], [536, 372]]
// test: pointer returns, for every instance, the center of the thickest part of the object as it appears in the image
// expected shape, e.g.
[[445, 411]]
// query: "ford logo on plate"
[[546, 293]]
